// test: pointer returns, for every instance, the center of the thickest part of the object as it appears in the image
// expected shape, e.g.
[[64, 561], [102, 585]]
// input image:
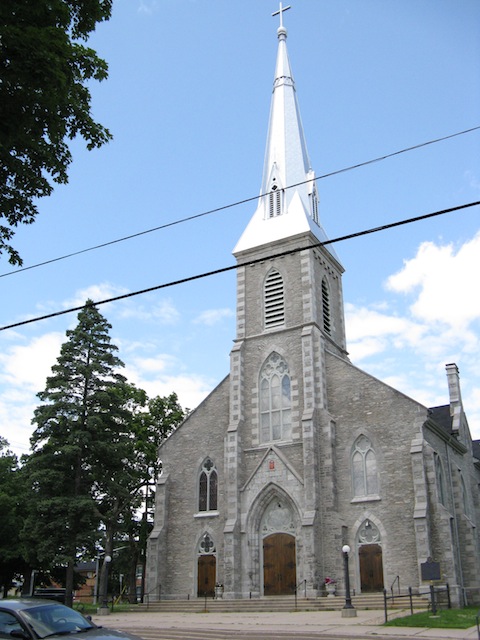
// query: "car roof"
[[25, 603]]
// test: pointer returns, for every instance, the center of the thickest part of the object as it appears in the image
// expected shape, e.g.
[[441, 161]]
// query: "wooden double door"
[[206, 574], [279, 564], [371, 568]]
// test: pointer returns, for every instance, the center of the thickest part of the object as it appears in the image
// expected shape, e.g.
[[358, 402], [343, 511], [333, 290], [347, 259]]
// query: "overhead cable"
[[236, 204], [207, 274]]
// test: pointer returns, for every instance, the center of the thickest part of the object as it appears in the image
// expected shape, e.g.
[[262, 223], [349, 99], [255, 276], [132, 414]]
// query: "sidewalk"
[[367, 623]]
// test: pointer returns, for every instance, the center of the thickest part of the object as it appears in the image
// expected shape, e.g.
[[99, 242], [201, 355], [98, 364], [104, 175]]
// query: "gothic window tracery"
[[364, 468], [206, 546], [368, 533], [208, 487], [275, 400]]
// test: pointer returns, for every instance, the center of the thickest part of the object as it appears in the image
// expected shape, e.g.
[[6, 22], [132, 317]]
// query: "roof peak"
[[288, 203]]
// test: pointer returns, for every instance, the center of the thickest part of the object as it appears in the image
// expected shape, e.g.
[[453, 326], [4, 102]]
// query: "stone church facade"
[[297, 451]]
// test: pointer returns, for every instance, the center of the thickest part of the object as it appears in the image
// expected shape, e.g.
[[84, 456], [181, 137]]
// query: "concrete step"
[[280, 603]]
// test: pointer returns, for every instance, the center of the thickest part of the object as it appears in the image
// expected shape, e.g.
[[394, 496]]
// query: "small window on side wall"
[[208, 487], [364, 468]]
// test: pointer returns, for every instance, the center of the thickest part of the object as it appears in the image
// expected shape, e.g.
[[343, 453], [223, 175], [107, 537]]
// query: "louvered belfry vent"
[[326, 307], [274, 300]]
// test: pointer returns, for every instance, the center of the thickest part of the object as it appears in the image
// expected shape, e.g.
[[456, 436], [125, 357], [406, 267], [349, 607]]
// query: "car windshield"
[[55, 619]]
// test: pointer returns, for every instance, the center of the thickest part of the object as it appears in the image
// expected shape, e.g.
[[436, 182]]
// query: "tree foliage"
[[76, 443], [11, 501], [44, 100], [94, 455]]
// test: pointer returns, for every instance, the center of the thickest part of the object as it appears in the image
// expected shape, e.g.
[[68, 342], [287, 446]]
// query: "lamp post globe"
[[348, 610]]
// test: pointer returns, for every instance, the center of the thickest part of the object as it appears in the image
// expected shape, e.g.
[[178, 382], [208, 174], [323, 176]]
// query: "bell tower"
[[289, 313]]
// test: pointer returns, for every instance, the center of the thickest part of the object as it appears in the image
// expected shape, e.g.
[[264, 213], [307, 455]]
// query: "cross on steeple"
[[280, 12]]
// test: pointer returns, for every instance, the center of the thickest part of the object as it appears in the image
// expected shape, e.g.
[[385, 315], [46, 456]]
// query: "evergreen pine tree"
[[76, 444]]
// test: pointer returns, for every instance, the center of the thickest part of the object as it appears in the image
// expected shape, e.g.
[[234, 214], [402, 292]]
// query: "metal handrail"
[[304, 582], [147, 594], [397, 580]]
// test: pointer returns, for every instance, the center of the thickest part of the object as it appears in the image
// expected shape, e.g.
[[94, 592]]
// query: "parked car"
[[35, 619]]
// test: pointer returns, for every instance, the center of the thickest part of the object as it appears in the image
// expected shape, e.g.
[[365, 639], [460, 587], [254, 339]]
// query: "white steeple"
[[288, 204]]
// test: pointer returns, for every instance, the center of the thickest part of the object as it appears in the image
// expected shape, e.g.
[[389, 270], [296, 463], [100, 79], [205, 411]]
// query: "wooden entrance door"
[[207, 566], [371, 568], [279, 565]]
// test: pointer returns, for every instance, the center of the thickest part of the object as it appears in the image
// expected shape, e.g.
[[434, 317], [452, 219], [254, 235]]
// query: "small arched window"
[[275, 400], [440, 481], [327, 322], [274, 299], [364, 468], [208, 487], [465, 500], [275, 201]]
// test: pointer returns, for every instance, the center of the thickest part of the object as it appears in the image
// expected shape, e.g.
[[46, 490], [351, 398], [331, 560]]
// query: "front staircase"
[[280, 604]]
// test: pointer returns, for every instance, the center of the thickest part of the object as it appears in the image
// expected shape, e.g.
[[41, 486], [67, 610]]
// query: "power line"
[[207, 274], [236, 204]]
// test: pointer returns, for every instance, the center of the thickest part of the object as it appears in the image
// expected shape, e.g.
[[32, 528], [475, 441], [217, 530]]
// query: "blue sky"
[[187, 101]]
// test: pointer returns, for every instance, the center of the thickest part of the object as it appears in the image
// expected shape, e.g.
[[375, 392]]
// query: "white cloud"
[[163, 311], [97, 293], [213, 316], [408, 349], [28, 365], [147, 7], [439, 277], [24, 370]]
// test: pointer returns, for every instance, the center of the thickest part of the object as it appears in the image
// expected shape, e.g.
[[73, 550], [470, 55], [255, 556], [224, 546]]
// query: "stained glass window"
[[208, 487]]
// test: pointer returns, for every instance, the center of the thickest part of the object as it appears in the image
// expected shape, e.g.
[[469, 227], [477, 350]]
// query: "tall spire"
[[284, 210]]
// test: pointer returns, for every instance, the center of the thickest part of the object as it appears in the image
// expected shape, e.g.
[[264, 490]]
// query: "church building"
[[298, 452]]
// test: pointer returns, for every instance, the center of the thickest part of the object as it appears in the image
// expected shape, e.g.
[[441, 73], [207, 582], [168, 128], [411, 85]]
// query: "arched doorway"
[[279, 564], [279, 549], [370, 558], [206, 567]]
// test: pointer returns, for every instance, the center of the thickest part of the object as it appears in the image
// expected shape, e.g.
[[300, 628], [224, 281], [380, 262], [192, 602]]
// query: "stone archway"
[[206, 567], [279, 549], [370, 557]]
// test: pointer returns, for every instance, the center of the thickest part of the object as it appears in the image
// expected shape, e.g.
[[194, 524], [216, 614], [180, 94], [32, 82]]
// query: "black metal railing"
[[386, 598], [397, 580], [304, 582], [146, 596], [436, 597]]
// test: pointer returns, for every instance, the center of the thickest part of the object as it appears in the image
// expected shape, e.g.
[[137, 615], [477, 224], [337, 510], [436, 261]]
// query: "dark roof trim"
[[449, 439]]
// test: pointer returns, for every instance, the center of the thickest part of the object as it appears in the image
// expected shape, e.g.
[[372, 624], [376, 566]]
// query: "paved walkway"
[[330, 623]]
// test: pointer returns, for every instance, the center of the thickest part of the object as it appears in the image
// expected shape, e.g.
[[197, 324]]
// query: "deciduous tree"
[[45, 99]]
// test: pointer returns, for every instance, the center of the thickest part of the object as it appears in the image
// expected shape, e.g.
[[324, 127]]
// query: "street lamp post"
[[104, 605], [348, 610]]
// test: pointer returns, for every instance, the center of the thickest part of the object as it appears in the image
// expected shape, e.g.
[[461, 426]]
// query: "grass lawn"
[[444, 619]]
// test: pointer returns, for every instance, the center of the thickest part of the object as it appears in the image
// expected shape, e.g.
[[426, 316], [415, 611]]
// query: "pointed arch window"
[[275, 400], [274, 299], [208, 487], [364, 469], [464, 493], [327, 321], [440, 481]]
